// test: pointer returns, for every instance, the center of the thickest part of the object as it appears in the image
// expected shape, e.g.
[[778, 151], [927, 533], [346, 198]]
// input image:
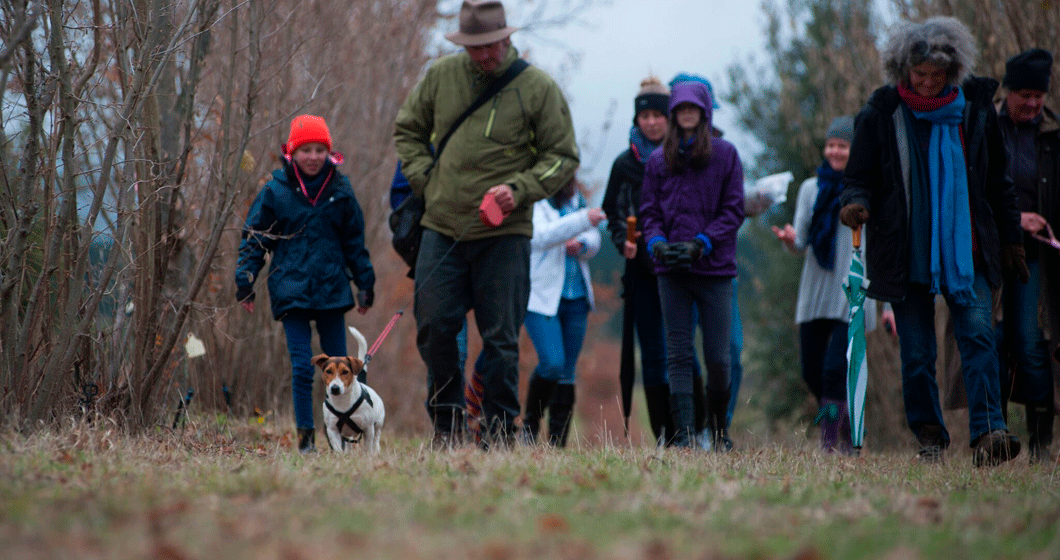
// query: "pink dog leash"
[[1051, 240]]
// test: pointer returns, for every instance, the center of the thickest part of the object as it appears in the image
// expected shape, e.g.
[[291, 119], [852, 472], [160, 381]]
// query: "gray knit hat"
[[842, 128]]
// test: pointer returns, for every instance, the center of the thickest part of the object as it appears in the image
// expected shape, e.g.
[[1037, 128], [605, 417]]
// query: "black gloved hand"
[[853, 215], [365, 298], [675, 255], [244, 293], [1014, 261], [694, 249]]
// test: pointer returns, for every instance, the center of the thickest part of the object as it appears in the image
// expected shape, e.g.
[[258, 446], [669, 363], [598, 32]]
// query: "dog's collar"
[[346, 418]]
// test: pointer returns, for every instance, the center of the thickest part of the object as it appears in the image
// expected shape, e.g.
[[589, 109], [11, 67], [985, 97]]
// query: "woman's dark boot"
[[682, 411], [699, 402], [1039, 431], [538, 395], [560, 412], [718, 417], [830, 421], [662, 424], [307, 440]]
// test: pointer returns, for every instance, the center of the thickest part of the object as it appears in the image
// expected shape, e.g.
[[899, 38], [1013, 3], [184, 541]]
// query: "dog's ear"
[[354, 363], [319, 360]]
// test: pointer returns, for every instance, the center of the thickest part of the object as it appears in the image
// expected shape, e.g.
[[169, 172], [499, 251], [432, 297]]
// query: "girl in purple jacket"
[[691, 209]]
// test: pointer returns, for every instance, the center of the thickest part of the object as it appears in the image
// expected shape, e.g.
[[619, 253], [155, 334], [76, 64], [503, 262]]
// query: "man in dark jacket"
[[1032, 138], [927, 177]]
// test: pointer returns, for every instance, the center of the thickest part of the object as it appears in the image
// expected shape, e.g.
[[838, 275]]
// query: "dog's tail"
[[362, 344]]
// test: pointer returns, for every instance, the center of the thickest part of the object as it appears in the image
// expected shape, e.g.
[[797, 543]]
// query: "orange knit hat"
[[306, 129]]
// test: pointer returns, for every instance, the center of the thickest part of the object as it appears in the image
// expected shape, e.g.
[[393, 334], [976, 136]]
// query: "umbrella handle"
[[631, 229], [857, 237]]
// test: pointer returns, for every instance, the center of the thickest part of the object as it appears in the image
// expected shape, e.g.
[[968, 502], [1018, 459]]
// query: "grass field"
[[241, 492]]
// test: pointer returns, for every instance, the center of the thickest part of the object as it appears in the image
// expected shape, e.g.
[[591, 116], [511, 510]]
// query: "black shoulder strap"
[[495, 86]]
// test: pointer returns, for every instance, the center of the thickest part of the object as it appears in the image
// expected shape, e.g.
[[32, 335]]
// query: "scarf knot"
[[952, 266]]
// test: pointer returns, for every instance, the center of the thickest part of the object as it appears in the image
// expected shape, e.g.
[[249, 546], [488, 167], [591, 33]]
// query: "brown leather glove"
[[853, 215], [1014, 261]]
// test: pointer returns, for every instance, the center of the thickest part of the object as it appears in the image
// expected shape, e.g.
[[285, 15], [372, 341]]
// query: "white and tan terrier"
[[351, 408]]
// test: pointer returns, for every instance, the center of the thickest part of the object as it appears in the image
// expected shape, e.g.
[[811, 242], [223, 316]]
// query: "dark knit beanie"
[[1028, 70], [652, 95], [842, 128]]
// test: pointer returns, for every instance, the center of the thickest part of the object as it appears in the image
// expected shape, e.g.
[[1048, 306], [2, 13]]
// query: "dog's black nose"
[[335, 390]]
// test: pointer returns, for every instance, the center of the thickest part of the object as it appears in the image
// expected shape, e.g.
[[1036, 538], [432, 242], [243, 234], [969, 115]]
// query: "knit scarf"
[[952, 267], [826, 215], [641, 146]]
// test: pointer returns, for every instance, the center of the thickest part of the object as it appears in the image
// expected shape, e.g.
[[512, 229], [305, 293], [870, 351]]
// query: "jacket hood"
[[695, 93]]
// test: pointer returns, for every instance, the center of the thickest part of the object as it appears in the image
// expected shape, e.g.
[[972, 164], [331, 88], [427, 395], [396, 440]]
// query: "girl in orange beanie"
[[308, 219]]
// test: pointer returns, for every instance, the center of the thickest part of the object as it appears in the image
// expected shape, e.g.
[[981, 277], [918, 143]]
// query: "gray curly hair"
[[943, 41]]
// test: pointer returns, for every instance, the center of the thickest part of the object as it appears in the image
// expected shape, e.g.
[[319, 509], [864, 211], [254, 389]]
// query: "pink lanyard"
[[313, 200], [1051, 240]]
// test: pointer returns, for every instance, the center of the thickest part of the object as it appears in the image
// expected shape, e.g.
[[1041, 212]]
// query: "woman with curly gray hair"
[[927, 177]]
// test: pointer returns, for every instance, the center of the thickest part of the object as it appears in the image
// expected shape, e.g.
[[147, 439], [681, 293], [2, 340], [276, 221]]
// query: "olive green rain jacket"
[[522, 137]]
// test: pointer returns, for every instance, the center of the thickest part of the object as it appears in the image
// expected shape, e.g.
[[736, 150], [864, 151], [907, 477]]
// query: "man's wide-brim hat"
[[481, 23]]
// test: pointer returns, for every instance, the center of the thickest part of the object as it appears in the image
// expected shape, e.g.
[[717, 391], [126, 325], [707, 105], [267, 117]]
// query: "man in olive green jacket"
[[517, 148]]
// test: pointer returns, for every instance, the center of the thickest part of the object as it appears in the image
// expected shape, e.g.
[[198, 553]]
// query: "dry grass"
[[241, 492]]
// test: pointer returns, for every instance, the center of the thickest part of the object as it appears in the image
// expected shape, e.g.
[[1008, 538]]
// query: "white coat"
[[548, 254]]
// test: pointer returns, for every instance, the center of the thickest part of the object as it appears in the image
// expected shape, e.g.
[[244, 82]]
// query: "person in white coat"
[[561, 296]]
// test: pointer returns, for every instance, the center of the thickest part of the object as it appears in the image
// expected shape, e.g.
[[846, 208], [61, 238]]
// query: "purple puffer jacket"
[[699, 203]]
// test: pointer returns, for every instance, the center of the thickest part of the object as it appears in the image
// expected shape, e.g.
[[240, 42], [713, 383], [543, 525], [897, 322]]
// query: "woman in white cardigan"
[[561, 296], [822, 311]]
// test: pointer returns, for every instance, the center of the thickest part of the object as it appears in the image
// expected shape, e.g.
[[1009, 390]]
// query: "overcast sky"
[[626, 41]]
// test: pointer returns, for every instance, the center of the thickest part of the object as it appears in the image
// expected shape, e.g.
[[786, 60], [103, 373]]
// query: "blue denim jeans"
[[974, 331], [1024, 339], [331, 327], [492, 277], [558, 339], [735, 350], [682, 295]]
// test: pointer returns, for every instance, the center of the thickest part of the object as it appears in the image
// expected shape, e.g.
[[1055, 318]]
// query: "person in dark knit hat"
[[308, 219], [640, 290], [1032, 138], [822, 310]]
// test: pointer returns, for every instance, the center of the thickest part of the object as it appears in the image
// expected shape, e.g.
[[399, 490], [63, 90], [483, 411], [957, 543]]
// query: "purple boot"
[[835, 426]]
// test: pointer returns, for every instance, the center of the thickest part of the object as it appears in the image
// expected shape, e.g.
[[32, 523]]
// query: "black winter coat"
[[621, 200], [874, 178], [316, 250]]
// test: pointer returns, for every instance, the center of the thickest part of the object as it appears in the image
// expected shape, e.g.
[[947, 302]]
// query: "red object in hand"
[[490, 212]]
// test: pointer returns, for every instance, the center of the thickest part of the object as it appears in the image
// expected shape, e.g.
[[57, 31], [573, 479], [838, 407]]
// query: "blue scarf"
[[641, 146], [952, 267], [826, 215]]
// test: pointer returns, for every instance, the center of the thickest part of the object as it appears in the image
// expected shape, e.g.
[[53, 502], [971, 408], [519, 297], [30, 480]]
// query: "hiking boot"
[[932, 444], [995, 447], [307, 440], [930, 454]]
